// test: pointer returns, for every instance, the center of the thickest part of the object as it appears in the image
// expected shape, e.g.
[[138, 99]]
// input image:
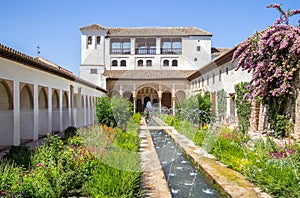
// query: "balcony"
[[171, 51], [120, 51], [145, 51]]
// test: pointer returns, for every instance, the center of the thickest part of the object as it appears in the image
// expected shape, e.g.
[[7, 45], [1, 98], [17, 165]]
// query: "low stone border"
[[154, 183], [230, 182]]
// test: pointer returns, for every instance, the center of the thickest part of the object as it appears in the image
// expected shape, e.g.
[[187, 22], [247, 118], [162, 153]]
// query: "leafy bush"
[[281, 126], [136, 118], [104, 112], [243, 106]]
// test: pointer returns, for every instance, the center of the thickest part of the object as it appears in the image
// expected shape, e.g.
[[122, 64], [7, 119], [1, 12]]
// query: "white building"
[[144, 63], [38, 97]]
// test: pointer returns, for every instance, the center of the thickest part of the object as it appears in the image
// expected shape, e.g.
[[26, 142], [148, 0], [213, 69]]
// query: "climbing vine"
[[243, 106]]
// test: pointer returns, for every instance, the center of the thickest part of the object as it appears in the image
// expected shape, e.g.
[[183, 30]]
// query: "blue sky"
[[54, 24]]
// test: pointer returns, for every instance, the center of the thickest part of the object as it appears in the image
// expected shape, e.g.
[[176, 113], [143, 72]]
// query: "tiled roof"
[[151, 31], [216, 51], [147, 74], [93, 26], [42, 64]]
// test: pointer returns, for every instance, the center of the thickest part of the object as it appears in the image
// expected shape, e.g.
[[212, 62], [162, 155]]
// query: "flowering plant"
[[272, 56]]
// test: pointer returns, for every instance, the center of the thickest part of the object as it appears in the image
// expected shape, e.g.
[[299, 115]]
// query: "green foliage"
[[114, 111], [222, 104], [113, 183], [122, 110], [104, 112], [273, 168], [243, 106], [204, 102], [195, 109], [69, 167], [281, 126], [136, 118]]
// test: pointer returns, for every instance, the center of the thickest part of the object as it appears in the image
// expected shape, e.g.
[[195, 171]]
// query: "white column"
[[60, 110], [84, 110], [35, 112], [158, 41], [70, 108], [16, 93], [49, 110], [88, 110], [132, 43]]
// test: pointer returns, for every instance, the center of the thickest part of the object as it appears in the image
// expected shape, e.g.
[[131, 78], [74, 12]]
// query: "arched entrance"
[[166, 100], [26, 113], [144, 95], [6, 113], [43, 111], [55, 111]]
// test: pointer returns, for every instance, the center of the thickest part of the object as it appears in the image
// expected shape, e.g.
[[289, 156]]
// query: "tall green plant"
[[104, 112], [243, 106], [204, 103]]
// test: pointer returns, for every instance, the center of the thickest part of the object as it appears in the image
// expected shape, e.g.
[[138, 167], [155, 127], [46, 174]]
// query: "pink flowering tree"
[[273, 57]]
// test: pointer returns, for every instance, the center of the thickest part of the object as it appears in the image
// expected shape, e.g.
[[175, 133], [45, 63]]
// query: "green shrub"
[[136, 118], [281, 126], [115, 183], [10, 177]]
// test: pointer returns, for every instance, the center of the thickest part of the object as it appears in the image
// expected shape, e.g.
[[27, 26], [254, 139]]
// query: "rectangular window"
[[93, 71], [195, 59], [171, 46], [220, 75], [213, 78], [120, 46], [226, 70], [198, 48]]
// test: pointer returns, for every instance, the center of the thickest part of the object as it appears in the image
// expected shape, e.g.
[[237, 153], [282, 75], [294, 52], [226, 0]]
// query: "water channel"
[[183, 178]]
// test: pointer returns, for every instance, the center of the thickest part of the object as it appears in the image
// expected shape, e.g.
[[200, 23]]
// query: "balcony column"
[[132, 43], [158, 41]]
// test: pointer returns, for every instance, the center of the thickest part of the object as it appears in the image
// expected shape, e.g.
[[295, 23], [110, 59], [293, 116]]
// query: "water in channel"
[[184, 180]]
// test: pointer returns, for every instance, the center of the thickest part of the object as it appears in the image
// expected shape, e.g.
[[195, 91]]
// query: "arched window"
[[149, 63], [98, 39], [89, 40], [55, 100], [140, 63], [43, 99], [114, 63], [5, 99], [26, 99], [123, 63], [174, 63], [65, 100], [166, 63]]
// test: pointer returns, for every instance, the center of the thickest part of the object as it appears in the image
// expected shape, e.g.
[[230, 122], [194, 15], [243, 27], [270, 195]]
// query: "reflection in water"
[[183, 179]]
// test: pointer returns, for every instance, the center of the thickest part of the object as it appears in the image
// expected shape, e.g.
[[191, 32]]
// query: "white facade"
[[141, 49], [38, 98]]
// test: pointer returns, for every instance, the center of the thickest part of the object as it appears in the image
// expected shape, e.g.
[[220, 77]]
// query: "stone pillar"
[[88, 110], [173, 99], [16, 93], [121, 90], [84, 110], [132, 42], [49, 109], [254, 116], [134, 101], [158, 44], [35, 112], [61, 110], [71, 105], [159, 99]]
